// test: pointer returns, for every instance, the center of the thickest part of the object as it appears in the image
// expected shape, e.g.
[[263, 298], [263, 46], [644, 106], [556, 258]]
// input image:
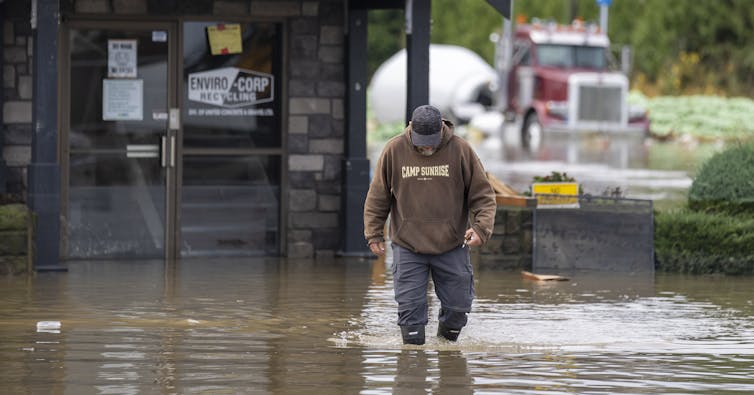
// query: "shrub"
[[701, 243], [725, 182]]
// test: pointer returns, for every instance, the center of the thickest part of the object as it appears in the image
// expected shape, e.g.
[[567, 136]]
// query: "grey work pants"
[[453, 279]]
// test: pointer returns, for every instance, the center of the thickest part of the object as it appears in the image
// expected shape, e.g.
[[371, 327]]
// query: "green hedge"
[[725, 182], [701, 243]]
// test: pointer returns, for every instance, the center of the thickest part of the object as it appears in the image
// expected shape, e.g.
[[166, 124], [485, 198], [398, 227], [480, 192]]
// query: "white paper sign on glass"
[[122, 100]]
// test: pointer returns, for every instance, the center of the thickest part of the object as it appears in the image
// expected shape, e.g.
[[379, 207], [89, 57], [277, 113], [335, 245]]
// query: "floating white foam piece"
[[49, 326]]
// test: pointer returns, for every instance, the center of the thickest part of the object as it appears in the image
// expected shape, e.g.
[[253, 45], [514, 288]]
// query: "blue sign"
[[604, 2]]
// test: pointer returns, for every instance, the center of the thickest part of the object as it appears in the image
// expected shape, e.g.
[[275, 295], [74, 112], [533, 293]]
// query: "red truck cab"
[[559, 80]]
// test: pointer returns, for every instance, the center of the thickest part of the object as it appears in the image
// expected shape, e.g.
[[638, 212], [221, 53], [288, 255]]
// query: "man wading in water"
[[434, 187]]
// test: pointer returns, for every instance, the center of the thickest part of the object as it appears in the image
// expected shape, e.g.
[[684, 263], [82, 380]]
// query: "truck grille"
[[600, 103]]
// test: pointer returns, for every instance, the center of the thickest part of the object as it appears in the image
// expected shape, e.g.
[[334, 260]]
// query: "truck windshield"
[[571, 56]]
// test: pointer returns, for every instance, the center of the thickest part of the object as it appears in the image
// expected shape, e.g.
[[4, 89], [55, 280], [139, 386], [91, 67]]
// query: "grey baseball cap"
[[426, 126]]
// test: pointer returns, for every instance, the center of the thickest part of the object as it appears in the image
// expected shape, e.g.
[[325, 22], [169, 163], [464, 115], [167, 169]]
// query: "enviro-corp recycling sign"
[[229, 90]]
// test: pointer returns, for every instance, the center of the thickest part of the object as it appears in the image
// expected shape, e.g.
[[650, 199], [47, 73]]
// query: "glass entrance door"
[[120, 152], [231, 157]]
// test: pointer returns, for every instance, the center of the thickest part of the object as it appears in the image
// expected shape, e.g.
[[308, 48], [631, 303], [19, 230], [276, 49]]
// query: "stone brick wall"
[[316, 89], [15, 139], [511, 244]]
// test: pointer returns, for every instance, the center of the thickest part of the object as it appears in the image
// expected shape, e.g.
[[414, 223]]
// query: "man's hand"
[[377, 248], [472, 239]]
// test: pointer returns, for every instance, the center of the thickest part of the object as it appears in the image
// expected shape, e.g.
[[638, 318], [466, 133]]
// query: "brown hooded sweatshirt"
[[431, 199]]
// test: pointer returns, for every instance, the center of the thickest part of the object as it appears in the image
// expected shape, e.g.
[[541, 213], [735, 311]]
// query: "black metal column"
[[418, 16], [44, 171], [355, 164], [2, 161]]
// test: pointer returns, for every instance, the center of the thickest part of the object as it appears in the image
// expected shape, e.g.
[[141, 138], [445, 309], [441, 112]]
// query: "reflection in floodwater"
[[599, 161], [329, 326]]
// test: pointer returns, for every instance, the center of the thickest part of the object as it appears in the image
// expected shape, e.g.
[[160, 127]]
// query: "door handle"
[[163, 157], [172, 151], [141, 151]]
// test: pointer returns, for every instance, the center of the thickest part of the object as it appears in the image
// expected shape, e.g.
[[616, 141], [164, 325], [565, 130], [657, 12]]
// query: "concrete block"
[[493, 246], [320, 126], [305, 26], [302, 200], [21, 41], [309, 105], [331, 89], [275, 8], [298, 124], [331, 186], [17, 155], [92, 6], [331, 71], [511, 244], [300, 249], [18, 112], [513, 222], [18, 134], [306, 162], [230, 7], [305, 69], [331, 12], [329, 203], [331, 35], [527, 241], [338, 127], [326, 146], [337, 109], [298, 144], [130, 6], [9, 77], [304, 46], [8, 32], [326, 239], [314, 220], [332, 168], [299, 235], [310, 8], [302, 179], [302, 88], [25, 87], [14, 54], [499, 228], [330, 54]]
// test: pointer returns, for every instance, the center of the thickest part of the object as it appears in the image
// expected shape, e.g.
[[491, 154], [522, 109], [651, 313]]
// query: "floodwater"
[[602, 163], [277, 326]]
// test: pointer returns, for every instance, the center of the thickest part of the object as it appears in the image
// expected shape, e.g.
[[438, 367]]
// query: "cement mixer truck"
[[558, 78]]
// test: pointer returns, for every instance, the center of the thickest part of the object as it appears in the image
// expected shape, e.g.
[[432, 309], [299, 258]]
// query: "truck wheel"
[[531, 133]]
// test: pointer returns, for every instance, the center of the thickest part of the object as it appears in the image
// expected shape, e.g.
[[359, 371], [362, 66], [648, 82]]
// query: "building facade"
[[174, 129]]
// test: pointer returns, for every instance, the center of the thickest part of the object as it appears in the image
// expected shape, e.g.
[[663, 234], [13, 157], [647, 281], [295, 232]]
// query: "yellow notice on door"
[[556, 194], [225, 39]]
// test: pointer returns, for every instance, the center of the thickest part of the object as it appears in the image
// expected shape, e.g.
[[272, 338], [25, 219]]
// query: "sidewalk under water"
[[272, 325]]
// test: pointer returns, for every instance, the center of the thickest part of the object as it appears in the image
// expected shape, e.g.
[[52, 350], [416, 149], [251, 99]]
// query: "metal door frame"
[[171, 180]]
